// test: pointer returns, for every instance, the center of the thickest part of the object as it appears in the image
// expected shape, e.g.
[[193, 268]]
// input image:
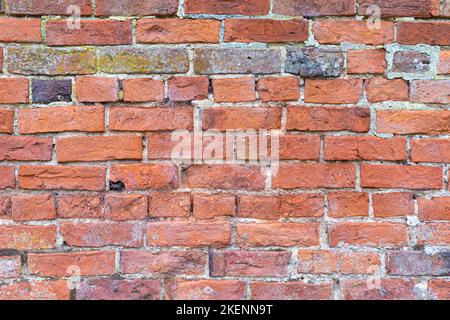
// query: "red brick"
[[224, 177], [25, 237], [75, 149], [328, 119], [62, 177], [13, 90], [430, 150], [336, 91], [188, 88], [313, 8], [177, 31], [277, 234], [348, 204], [234, 89], [401, 8], [47, 7], [279, 89], [150, 119], [244, 7], [40, 207], [366, 61], [110, 289], [291, 291], [302, 205], [249, 263], [299, 147], [436, 208], [334, 261], [101, 234], [126, 207], [432, 33], [241, 118], [91, 32], [259, 207], [430, 91], [444, 61], [62, 264], [265, 30], [25, 148], [390, 289], [364, 148], [10, 267], [143, 90], [96, 89], [7, 177], [189, 234], [208, 206], [400, 176], [380, 89], [314, 175], [434, 234], [170, 204], [6, 120], [413, 121], [395, 204], [20, 30], [180, 289], [353, 31], [374, 234], [80, 206], [163, 262], [145, 176], [439, 289], [35, 290], [59, 119], [135, 7]]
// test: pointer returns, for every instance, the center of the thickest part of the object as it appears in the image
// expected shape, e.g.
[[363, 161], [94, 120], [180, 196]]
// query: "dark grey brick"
[[313, 62], [47, 91]]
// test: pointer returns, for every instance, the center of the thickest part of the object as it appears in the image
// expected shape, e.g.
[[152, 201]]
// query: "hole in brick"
[[117, 186]]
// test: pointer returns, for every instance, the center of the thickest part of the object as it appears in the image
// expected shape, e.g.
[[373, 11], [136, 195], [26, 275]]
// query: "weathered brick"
[[389, 289], [380, 89], [413, 121], [126, 207], [62, 177], [18, 148], [163, 262], [189, 234], [411, 62], [101, 234], [232, 61], [249, 263], [439, 289], [291, 290], [366, 61], [314, 8], [150, 119], [143, 90], [437, 208], [314, 62], [430, 91], [416, 263], [75, 149], [244, 7], [47, 7], [145, 176], [337, 91], [59, 264], [434, 234], [401, 176], [13, 90], [314, 175], [279, 88], [26, 208], [285, 234], [400, 8], [393, 204], [20, 30], [170, 204], [143, 60], [135, 7], [10, 266], [7, 177], [265, 30], [35, 290], [51, 61], [241, 177], [353, 31], [424, 32], [348, 204], [59, 119], [110, 289], [80, 206], [364, 148], [177, 31], [188, 88], [48, 91], [374, 234], [444, 62], [208, 206], [6, 120], [234, 89], [23, 237], [181, 289], [91, 32]]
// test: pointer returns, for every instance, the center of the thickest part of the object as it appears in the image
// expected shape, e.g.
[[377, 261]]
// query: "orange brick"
[[234, 89], [13, 90], [20, 30], [279, 89], [143, 90], [95, 89], [366, 61], [337, 91]]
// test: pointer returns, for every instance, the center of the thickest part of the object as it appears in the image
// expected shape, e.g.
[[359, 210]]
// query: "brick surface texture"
[[91, 188]]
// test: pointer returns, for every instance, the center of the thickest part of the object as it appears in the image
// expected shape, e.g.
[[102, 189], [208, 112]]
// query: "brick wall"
[[93, 204]]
